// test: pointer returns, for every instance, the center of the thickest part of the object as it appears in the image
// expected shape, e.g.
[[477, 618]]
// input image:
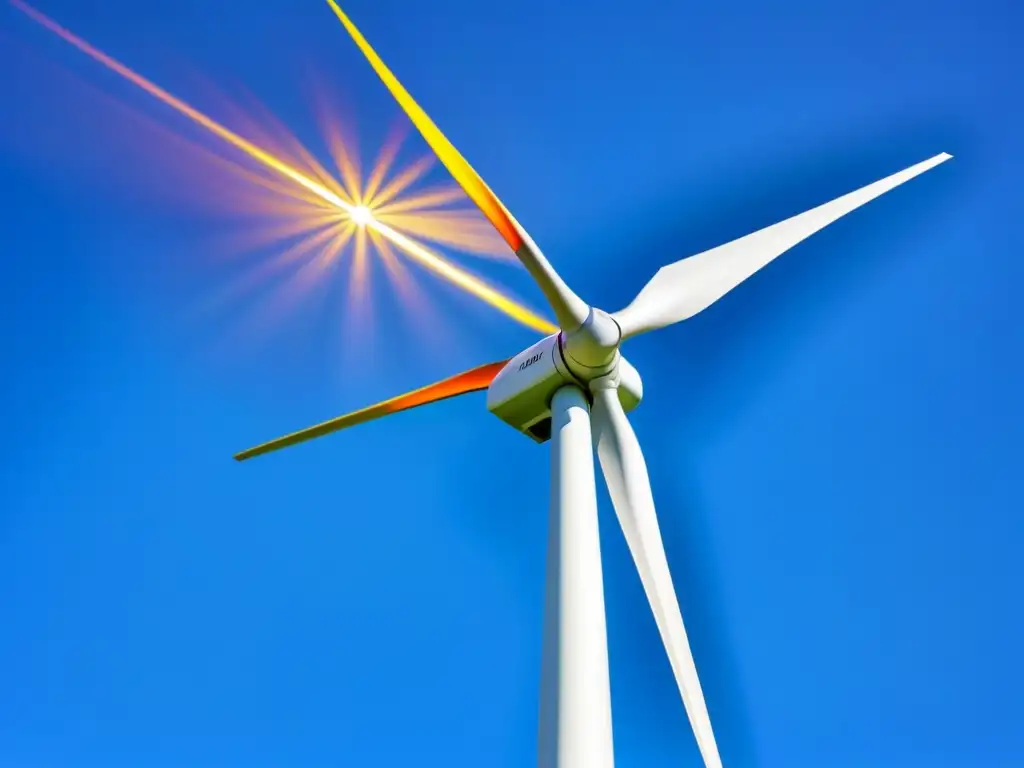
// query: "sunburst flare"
[[329, 214]]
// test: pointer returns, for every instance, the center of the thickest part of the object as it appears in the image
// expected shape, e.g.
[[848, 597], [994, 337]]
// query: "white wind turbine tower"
[[575, 388]]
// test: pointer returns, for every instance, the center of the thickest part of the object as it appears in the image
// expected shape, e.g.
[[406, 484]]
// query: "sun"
[[361, 215]]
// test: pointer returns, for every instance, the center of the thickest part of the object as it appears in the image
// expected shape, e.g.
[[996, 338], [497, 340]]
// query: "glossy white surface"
[[575, 729]]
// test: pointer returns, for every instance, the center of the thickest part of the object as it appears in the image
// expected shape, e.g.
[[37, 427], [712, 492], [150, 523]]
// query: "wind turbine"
[[574, 389]]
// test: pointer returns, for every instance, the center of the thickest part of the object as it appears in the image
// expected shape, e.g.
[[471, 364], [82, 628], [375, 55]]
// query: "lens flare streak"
[[369, 210]]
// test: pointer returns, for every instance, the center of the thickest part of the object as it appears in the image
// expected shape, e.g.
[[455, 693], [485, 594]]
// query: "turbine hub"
[[592, 349]]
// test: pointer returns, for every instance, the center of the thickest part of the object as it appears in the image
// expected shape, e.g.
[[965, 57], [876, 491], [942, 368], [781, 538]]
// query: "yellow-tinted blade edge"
[[460, 169], [472, 380]]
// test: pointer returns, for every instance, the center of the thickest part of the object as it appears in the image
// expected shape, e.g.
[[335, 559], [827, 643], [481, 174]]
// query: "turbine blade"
[[625, 472], [683, 289], [472, 380], [569, 309]]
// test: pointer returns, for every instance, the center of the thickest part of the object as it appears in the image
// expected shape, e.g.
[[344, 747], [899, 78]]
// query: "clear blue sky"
[[833, 448]]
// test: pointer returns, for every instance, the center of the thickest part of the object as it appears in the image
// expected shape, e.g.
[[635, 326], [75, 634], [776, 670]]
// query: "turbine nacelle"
[[521, 393]]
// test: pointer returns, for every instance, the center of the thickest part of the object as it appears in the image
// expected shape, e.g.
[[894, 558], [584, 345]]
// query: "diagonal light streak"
[[464, 280]]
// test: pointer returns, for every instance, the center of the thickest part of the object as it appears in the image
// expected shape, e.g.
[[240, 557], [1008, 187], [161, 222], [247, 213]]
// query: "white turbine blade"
[[683, 289], [570, 310], [625, 471]]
